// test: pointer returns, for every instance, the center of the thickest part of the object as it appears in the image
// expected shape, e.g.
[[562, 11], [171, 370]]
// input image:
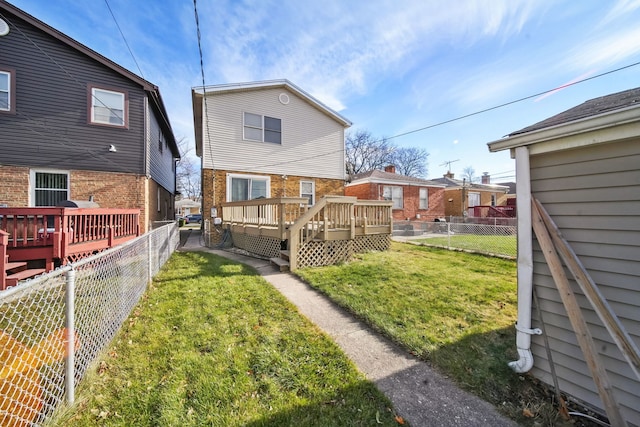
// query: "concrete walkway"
[[420, 395]]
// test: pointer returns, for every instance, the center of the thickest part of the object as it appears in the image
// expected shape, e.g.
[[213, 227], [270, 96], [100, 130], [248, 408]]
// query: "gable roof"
[[566, 130], [457, 183], [150, 88], [382, 177]]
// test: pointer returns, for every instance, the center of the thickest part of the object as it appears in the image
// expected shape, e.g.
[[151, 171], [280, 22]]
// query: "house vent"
[[4, 28], [284, 98]]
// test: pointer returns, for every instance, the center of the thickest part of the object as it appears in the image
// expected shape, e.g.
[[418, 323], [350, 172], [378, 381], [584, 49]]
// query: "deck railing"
[[492, 211], [55, 234], [268, 217]]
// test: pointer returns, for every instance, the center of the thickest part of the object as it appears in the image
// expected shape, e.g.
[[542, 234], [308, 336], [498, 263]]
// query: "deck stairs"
[[16, 271], [281, 263]]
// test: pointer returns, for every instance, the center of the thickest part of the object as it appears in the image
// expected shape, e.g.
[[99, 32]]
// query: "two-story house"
[[266, 139], [77, 126]]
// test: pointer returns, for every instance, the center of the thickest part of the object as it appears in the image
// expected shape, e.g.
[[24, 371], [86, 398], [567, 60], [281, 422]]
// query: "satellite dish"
[[4, 28]]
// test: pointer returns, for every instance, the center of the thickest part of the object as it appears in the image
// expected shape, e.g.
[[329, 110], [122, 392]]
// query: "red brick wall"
[[411, 200], [14, 186]]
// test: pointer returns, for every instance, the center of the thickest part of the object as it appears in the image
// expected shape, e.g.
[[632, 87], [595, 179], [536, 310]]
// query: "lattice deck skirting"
[[315, 253], [259, 245]]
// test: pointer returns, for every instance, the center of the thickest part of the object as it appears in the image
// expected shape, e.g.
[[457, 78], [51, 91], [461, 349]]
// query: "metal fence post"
[[448, 235], [149, 268], [70, 325]]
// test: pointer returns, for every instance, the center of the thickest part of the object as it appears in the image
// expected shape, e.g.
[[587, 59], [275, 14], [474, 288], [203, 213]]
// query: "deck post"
[[4, 241]]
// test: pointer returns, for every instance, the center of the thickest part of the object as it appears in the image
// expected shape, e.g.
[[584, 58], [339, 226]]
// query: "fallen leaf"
[[399, 420], [378, 417], [527, 413]]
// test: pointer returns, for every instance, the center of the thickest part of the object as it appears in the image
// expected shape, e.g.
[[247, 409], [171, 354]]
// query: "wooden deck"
[[55, 236], [326, 233]]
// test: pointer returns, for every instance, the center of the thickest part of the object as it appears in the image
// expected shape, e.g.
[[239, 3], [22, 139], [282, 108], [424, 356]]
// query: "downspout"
[[525, 263]]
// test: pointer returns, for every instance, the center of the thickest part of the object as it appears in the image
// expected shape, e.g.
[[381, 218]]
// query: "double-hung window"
[[308, 190], [394, 194], [49, 187], [474, 199], [262, 128], [108, 107], [247, 187], [424, 199], [7, 91]]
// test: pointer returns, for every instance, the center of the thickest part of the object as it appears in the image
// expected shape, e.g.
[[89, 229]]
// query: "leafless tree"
[[469, 173], [188, 171], [365, 153], [411, 161]]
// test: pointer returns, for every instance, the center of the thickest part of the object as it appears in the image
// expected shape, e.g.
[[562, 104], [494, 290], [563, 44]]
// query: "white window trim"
[[230, 176], [93, 97], [420, 198], [32, 183], [401, 192], [469, 199], [262, 128], [313, 190], [10, 91]]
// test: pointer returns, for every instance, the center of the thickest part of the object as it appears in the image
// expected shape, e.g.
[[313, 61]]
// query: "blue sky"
[[390, 67]]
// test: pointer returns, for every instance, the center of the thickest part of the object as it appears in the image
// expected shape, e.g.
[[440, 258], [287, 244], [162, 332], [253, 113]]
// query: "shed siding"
[[593, 195], [312, 142], [50, 127]]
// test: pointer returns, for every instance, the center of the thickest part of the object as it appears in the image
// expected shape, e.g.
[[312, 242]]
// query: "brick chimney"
[[390, 169], [486, 178], [449, 175]]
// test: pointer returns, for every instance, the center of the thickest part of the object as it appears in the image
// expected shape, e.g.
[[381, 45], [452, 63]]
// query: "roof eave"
[[588, 124]]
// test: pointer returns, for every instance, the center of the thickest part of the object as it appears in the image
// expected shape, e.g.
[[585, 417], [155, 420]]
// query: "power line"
[[124, 38]]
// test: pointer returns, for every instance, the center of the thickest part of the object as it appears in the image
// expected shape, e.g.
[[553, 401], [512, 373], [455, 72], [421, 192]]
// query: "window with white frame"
[[494, 198], [308, 190], [474, 199], [262, 128], [6, 91], [108, 107], [394, 194], [424, 199], [48, 188], [247, 187]]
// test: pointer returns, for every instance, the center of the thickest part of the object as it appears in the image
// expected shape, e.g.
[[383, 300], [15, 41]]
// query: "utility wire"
[[124, 38]]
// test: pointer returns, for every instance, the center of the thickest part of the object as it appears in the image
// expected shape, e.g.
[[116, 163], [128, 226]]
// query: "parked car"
[[194, 218]]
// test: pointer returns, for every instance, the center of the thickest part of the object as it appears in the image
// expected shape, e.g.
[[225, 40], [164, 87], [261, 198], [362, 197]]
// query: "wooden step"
[[281, 264], [16, 265], [13, 279]]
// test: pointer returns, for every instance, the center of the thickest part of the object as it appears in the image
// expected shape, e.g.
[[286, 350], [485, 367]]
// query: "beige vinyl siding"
[[593, 195], [312, 141]]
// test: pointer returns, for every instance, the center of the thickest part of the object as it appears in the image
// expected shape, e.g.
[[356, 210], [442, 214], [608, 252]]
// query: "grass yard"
[[501, 245], [213, 344], [455, 310]]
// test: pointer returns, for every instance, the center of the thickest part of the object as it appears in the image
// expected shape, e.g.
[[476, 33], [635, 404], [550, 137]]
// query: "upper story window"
[[394, 194], [424, 198], [160, 141], [262, 128], [7, 91], [108, 107]]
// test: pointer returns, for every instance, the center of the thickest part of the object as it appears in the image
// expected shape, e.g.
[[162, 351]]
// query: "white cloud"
[[604, 51]]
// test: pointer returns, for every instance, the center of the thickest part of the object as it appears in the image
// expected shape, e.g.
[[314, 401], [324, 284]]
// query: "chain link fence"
[[489, 239], [54, 326]]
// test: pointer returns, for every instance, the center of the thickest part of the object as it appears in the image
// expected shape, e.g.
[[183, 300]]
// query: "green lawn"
[[456, 310], [213, 344], [500, 245]]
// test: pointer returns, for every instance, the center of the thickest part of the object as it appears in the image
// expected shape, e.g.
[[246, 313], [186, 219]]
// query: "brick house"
[[460, 195], [414, 199], [266, 139], [76, 125]]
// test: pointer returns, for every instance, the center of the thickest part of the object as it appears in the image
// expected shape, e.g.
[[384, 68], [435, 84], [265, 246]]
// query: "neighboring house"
[[460, 195], [414, 199], [186, 207], [583, 165], [264, 140], [76, 125]]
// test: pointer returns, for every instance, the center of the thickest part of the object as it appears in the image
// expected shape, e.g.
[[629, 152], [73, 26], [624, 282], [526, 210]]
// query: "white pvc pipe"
[[525, 262]]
